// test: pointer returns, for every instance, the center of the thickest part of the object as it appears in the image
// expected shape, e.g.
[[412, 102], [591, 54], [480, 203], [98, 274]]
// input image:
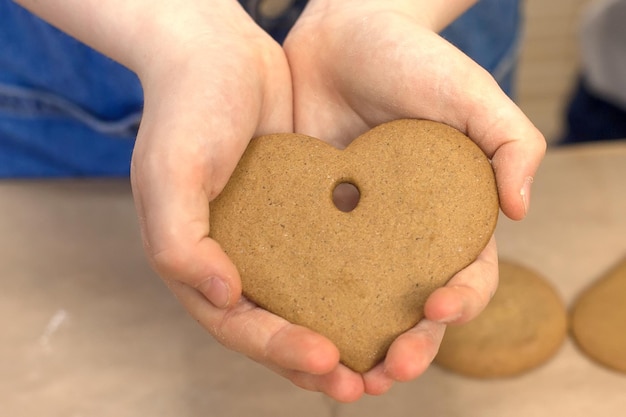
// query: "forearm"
[[434, 14], [135, 32]]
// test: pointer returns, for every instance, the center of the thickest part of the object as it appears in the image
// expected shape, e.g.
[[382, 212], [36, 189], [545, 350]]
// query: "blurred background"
[[549, 61]]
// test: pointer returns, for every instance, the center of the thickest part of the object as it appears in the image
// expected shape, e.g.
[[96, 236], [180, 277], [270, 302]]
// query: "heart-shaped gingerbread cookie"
[[427, 207]]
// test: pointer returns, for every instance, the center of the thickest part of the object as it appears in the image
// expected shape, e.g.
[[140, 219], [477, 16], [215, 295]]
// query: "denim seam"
[[26, 102]]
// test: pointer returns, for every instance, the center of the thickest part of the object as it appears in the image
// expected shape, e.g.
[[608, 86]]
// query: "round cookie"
[[598, 319], [522, 327], [427, 205]]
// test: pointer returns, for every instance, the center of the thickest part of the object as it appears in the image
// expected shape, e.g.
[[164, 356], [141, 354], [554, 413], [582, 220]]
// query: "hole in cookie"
[[346, 196]]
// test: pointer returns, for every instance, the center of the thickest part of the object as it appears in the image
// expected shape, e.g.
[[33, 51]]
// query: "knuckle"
[[169, 262]]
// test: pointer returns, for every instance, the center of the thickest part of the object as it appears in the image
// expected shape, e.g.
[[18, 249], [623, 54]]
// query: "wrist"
[[174, 30], [200, 43], [137, 33]]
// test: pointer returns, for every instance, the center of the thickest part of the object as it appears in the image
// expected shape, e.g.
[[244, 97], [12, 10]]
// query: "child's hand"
[[356, 64], [204, 99]]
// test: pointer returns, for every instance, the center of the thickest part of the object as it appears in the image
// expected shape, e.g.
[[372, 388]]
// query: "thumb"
[[515, 146], [174, 227], [515, 163], [474, 103], [173, 178], [458, 92]]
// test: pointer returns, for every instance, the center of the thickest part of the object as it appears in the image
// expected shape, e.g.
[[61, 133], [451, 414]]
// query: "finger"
[[413, 351], [341, 384], [304, 357], [515, 164], [260, 335], [468, 292], [376, 380]]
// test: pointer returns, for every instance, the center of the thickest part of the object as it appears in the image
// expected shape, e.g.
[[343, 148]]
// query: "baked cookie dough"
[[359, 275], [522, 327], [598, 319]]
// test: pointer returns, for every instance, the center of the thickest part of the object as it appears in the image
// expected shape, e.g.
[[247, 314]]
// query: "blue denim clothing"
[[590, 117], [66, 110], [279, 25]]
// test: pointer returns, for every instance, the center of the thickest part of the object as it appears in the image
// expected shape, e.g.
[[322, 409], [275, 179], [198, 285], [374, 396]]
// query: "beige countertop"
[[87, 330]]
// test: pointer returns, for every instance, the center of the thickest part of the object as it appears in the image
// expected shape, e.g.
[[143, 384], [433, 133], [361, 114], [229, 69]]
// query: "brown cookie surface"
[[522, 327], [598, 319], [427, 207]]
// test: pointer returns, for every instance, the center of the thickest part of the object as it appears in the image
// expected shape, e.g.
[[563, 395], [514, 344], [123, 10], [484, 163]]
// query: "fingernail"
[[525, 193], [450, 319], [216, 291]]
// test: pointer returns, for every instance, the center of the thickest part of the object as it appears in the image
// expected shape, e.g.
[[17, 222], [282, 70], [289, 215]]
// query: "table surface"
[[89, 330]]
